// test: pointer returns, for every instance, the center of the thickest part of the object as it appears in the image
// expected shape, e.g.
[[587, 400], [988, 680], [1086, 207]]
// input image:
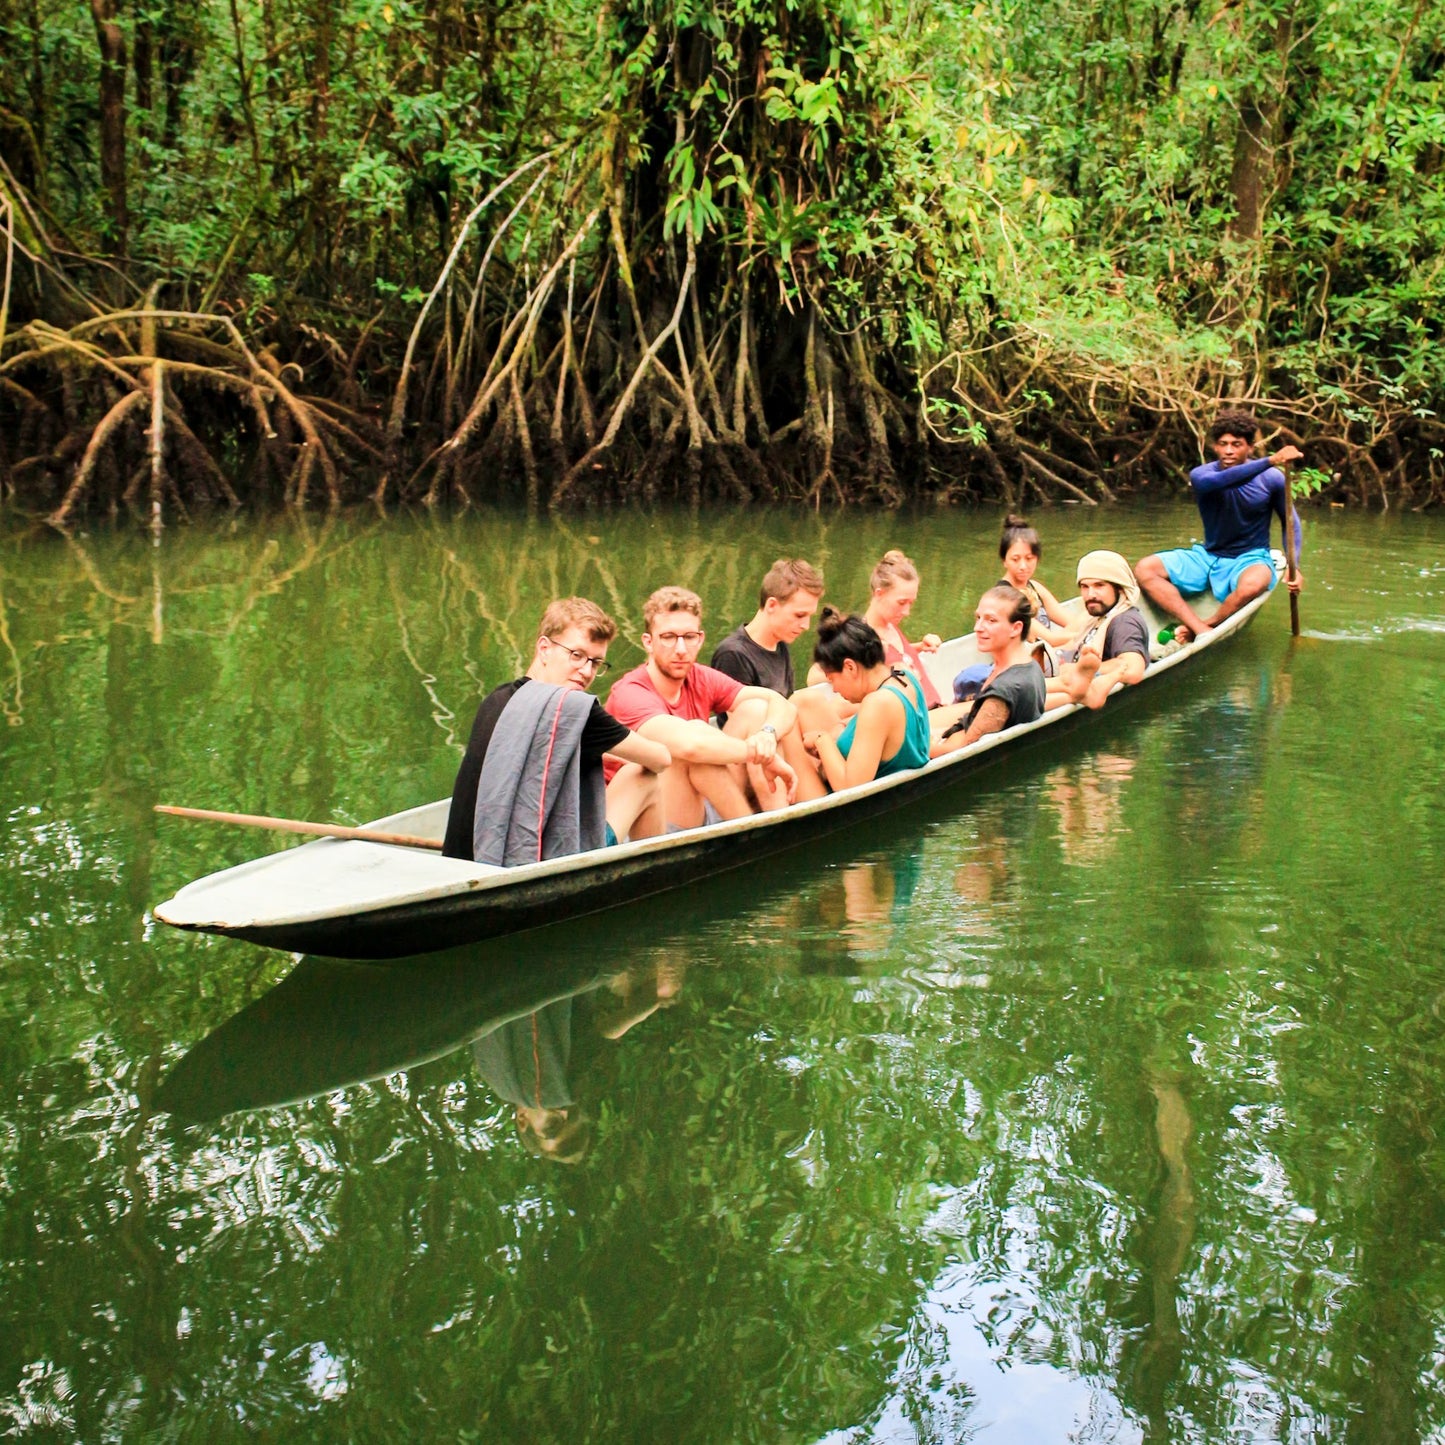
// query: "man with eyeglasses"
[[571, 651], [670, 699]]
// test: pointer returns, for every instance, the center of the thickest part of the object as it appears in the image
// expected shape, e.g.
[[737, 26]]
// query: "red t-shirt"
[[634, 699]]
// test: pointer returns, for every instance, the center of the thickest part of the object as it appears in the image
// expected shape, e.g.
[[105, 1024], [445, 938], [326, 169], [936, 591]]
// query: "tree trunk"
[[1253, 179], [112, 117], [143, 62], [177, 58]]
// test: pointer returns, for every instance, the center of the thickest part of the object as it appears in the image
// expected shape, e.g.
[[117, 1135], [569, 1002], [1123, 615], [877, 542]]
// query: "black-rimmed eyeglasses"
[[598, 665]]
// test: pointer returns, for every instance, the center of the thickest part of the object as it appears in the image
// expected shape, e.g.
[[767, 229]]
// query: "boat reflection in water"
[[329, 1024]]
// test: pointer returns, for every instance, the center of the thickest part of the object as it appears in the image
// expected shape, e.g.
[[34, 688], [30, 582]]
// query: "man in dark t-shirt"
[[571, 651], [759, 653], [1114, 648]]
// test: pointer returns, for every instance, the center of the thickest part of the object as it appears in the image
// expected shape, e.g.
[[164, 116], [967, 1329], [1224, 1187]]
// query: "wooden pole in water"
[[1291, 561], [295, 825]]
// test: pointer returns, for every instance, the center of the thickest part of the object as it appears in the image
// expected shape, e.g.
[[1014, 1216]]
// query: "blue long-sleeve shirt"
[[1235, 505]]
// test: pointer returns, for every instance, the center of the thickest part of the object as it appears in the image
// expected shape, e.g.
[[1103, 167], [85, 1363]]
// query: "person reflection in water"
[[1089, 799], [639, 993], [864, 905], [528, 1062], [524, 1061]]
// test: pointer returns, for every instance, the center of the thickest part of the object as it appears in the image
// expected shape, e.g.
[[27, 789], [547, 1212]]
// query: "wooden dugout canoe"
[[364, 900]]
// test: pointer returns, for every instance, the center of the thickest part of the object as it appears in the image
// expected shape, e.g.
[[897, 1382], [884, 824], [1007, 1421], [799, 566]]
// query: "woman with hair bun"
[[1019, 549], [894, 587], [1014, 691], [889, 732]]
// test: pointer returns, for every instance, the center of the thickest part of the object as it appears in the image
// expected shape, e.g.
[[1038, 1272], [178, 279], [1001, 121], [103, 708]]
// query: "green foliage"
[[1142, 113], [1156, 204]]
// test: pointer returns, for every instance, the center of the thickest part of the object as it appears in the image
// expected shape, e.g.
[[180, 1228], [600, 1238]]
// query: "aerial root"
[[160, 394]]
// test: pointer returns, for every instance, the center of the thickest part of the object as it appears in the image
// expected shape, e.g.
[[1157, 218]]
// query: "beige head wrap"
[[1107, 567], [1110, 567]]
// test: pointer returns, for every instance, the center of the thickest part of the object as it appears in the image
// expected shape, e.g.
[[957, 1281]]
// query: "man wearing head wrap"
[[1114, 646]]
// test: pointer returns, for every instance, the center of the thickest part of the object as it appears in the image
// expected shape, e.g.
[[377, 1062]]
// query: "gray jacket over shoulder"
[[534, 800]]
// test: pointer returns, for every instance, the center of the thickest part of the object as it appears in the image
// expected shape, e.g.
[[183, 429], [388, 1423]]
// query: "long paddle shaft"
[[294, 825], [1291, 561]]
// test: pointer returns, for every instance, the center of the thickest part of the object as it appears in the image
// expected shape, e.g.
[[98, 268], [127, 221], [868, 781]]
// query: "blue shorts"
[[609, 839], [1192, 569]]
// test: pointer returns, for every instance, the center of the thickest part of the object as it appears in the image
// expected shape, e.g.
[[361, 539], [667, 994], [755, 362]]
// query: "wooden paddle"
[[1291, 567], [294, 825]]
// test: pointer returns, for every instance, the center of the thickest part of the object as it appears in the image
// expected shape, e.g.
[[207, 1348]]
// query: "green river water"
[[1096, 1100]]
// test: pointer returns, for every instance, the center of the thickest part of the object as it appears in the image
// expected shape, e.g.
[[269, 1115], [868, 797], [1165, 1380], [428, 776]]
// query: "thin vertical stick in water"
[[1291, 561], [157, 444]]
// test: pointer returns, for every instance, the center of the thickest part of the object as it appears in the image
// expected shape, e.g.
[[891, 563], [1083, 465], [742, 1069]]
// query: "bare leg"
[[633, 796], [1097, 693], [1156, 586], [817, 712], [821, 708], [681, 801], [686, 786], [1252, 581], [805, 765], [746, 718], [771, 793], [940, 719], [742, 723]]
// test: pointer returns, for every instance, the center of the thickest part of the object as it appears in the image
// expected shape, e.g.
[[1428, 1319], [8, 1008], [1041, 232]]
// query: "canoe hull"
[[476, 916]]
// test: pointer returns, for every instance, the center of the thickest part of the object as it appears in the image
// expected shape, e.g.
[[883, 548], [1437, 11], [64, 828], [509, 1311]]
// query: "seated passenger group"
[[681, 743]]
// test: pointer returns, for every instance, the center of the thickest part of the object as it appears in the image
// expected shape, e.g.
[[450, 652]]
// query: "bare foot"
[[1085, 670], [771, 792]]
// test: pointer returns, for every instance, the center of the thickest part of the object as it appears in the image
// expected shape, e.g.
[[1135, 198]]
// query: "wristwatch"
[[768, 728]]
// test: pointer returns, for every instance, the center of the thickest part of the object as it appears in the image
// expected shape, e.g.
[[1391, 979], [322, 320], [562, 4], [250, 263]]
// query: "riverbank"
[[147, 412]]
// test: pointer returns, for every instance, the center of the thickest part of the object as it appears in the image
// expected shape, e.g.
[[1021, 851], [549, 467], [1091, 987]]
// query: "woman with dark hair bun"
[[1019, 550], [889, 732], [1014, 691]]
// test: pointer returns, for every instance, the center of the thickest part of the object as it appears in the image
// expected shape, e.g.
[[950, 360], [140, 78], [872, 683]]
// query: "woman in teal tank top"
[[889, 733]]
